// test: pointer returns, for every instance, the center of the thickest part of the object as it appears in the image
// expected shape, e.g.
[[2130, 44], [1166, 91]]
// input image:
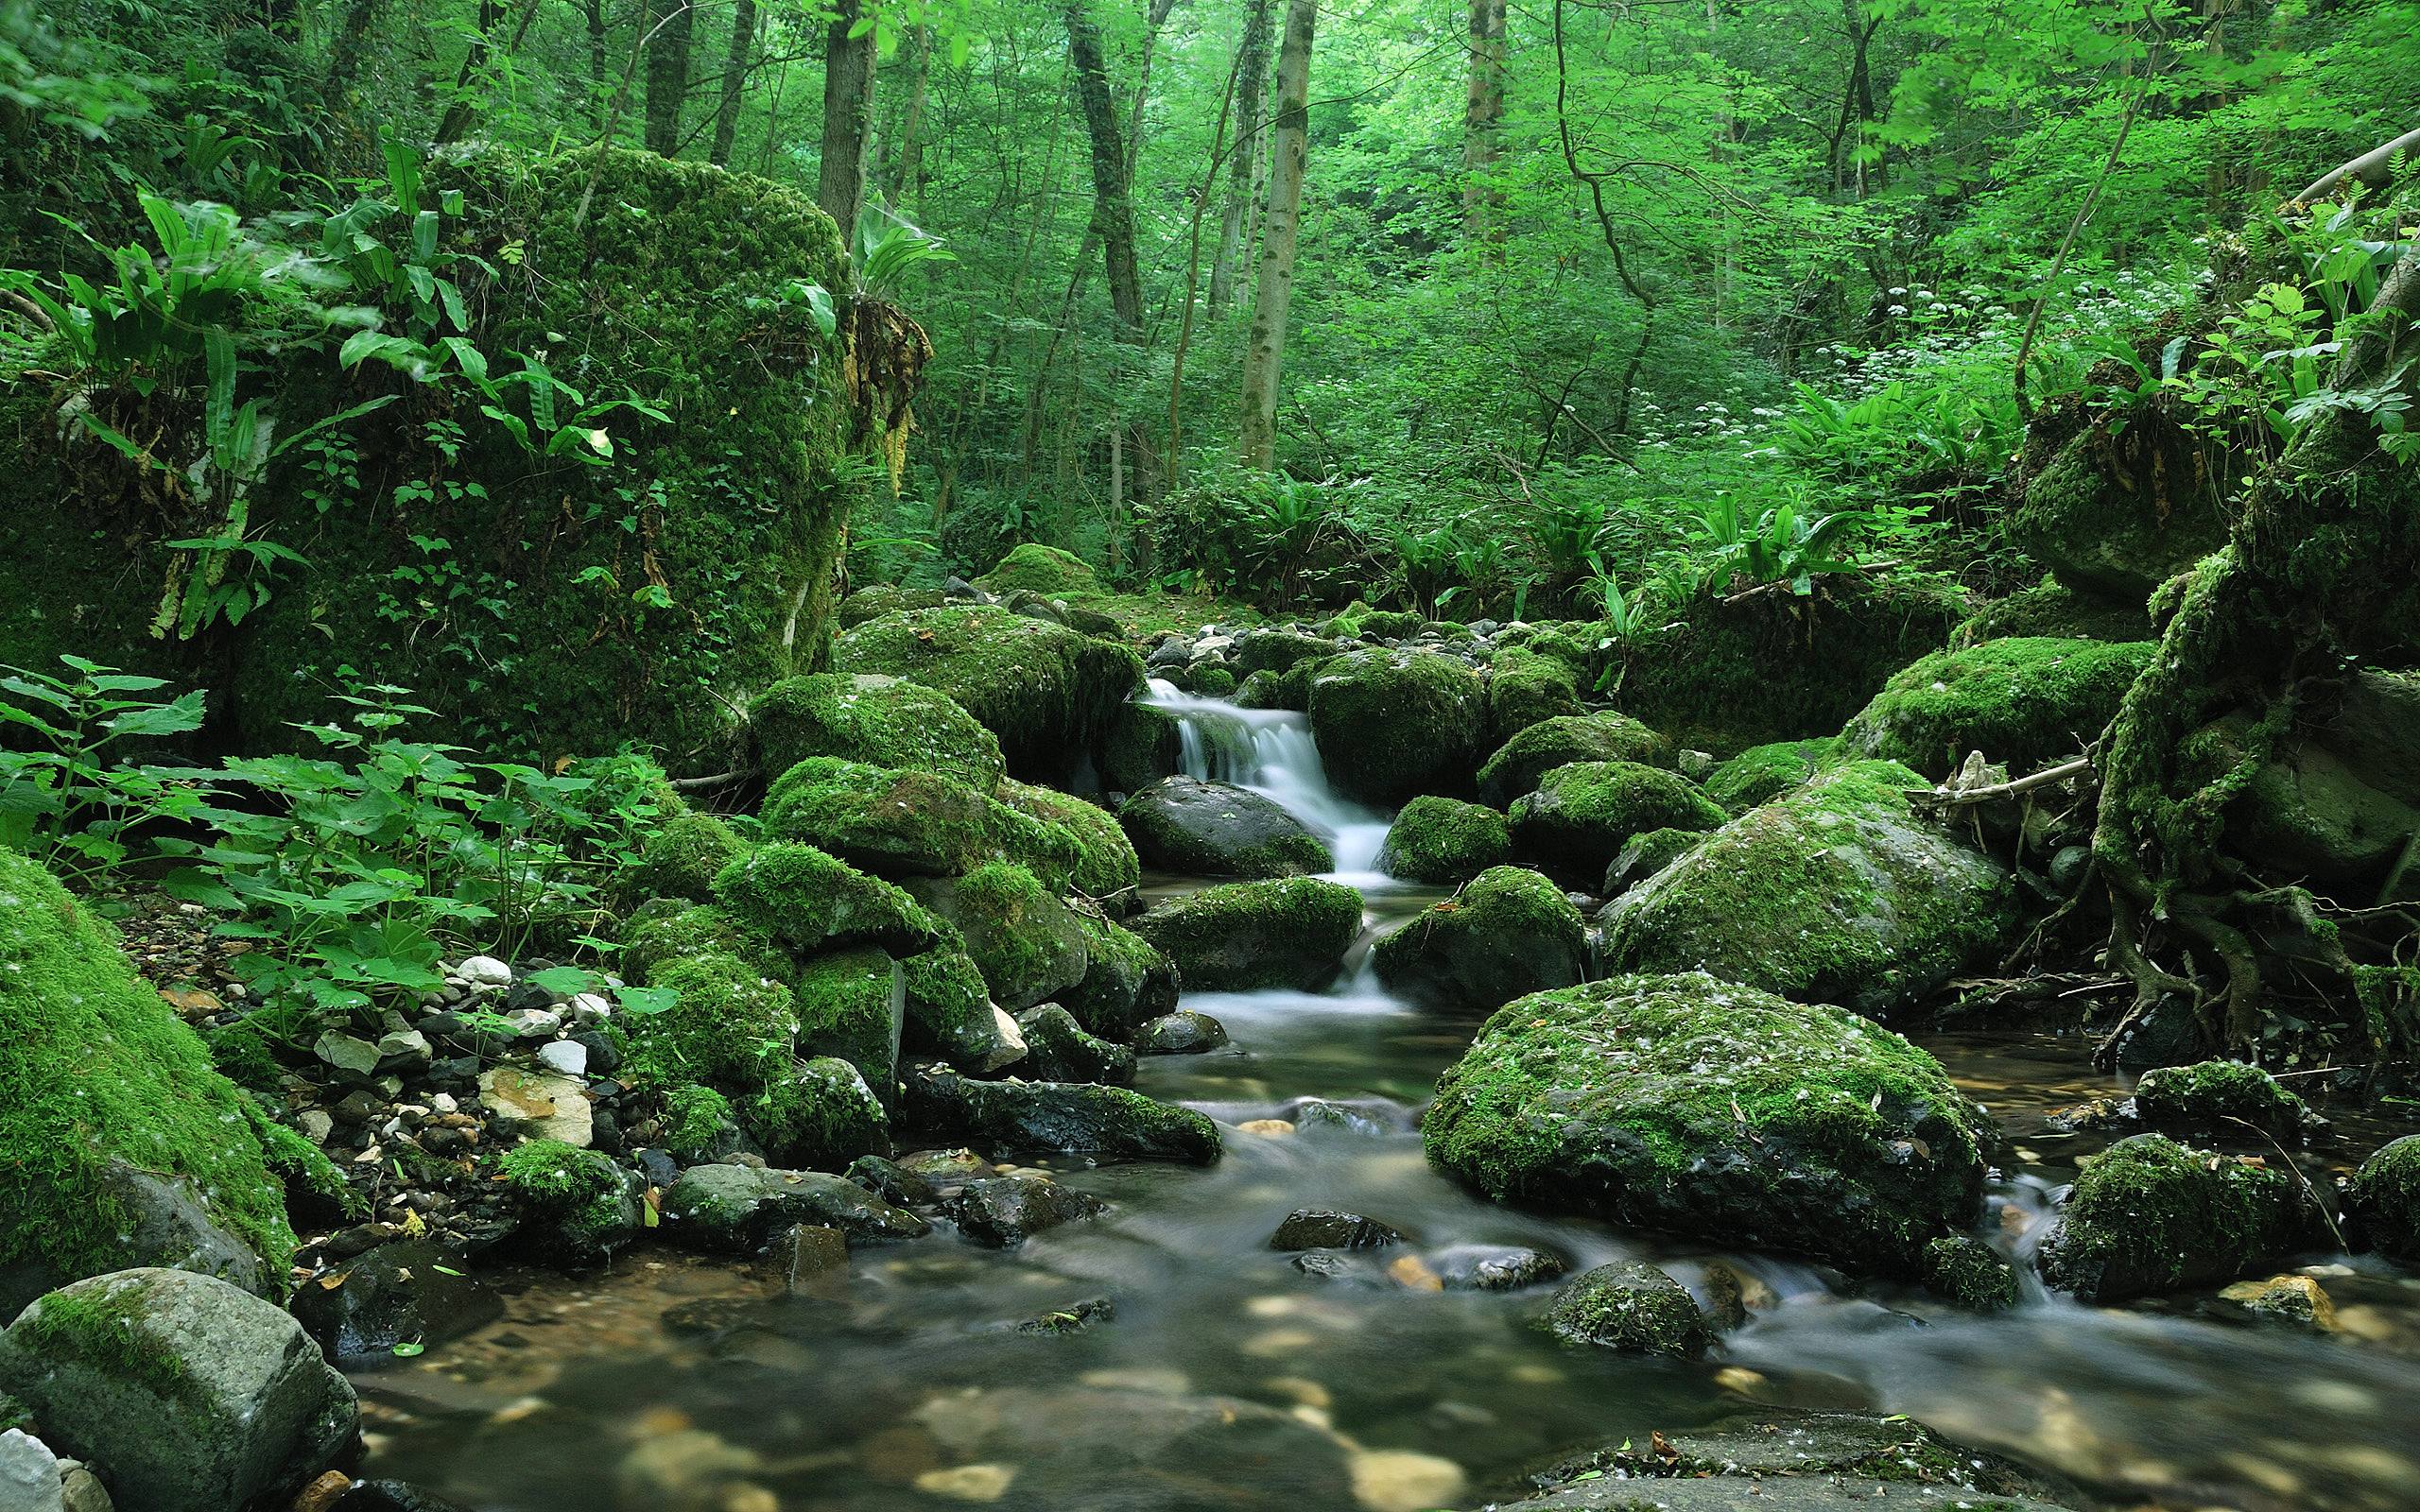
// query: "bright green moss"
[[693, 1120], [805, 899], [302, 1165], [1236, 937], [850, 1005], [727, 1024], [681, 856], [1763, 772], [1507, 933], [2024, 703], [1577, 821], [820, 1117], [1143, 745], [1523, 688], [1691, 1104], [1635, 1308], [1045, 569], [102, 1325], [1022, 938], [2385, 1200], [1971, 1273], [574, 1204], [2153, 1216], [100, 1075], [665, 930], [948, 1008], [1530, 754], [2219, 1097], [1047, 692], [2051, 608], [1105, 864], [908, 823], [878, 720], [1391, 725], [1443, 841], [875, 600]]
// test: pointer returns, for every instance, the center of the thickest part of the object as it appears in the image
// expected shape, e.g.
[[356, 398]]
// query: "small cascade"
[[1271, 753]]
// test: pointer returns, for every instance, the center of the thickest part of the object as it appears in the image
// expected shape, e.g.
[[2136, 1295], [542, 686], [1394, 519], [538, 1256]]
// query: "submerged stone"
[[736, 1208], [1006, 1210]]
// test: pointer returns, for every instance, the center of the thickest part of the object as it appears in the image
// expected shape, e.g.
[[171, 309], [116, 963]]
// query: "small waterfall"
[[1271, 753]]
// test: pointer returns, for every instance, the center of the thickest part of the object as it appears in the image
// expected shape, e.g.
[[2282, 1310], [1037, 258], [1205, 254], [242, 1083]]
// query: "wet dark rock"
[[2384, 1201], [1313, 1115], [1003, 1210], [2169, 1035], [1493, 1268], [808, 1257], [1183, 824], [1060, 1117], [1325, 1264], [2218, 1099], [2150, 1215], [1073, 1318], [944, 1169], [1058, 1049], [1182, 1032], [1321, 1228], [411, 1291], [891, 1183], [1635, 1307], [392, 1496], [658, 1167], [735, 1208]]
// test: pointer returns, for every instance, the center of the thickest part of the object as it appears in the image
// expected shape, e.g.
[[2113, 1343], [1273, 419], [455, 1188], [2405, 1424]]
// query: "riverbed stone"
[[2217, 1099], [1182, 1032], [1493, 1268], [736, 1208], [1238, 936], [1325, 1229], [1510, 933], [949, 1012], [575, 1208], [1392, 724], [1127, 979], [1005, 1211], [1761, 773], [1444, 841], [1058, 1049], [901, 823], [1838, 892], [1059, 1117], [2150, 1215], [1971, 1273], [1584, 813], [190, 1394], [1532, 752], [1632, 1307], [2384, 1201], [409, 1291], [1206, 829], [1694, 1106], [546, 1104]]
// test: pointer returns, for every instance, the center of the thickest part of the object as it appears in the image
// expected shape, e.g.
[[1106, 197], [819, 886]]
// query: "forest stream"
[[695, 1383]]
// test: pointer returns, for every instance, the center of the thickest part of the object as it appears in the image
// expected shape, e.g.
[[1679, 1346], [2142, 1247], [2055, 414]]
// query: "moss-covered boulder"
[[667, 929], [728, 1023], [2114, 516], [896, 823], [805, 900], [1279, 650], [1202, 829], [735, 1208], [1240, 935], [875, 600], [2384, 1200], [1022, 938], [1645, 854], [1761, 773], [2023, 703], [1060, 1049], [1582, 813], [1047, 692], [1964, 1269], [1128, 980], [575, 1208], [1525, 688], [1439, 839], [1391, 725], [1060, 1118], [1035, 567], [1839, 892], [681, 856], [2051, 608], [1539, 749], [2152, 1216], [853, 1004], [121, 1145], [819, 1115], [1697, 1107], [1105, 864], [1508, 934], [1145, 744], [1634, 1307], [879, 720], [2220, 1099], [950, 1012]]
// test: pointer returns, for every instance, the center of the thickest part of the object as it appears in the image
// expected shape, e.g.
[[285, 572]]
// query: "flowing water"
[[1229, 1380]]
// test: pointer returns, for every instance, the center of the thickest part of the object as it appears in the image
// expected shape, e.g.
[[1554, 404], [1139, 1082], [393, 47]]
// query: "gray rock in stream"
[[1060, 1117], [736, 1208], [1183, 824]]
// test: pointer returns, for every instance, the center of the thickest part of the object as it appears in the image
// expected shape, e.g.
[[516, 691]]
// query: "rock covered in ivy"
[[190, 1394], [1238, 936], [1837, 892], [1444, 841], [1058, 1117], [1584, 813], [1635, 1308], [1391, 725], [1537, 750], [736, 1208], [2024, 703], [1204, 829], [1025, 941], [1510, 933], [2384, 1201], [2152, 1216], [1697, 1107], [2219, 1098], [1763, 773], [874, 719]]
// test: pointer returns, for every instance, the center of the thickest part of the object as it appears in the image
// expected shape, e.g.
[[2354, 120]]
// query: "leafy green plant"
[[62, 798], [1783, 544]]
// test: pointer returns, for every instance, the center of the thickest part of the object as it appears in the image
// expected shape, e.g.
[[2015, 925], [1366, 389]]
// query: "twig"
[[2009, 789], [696, 784]]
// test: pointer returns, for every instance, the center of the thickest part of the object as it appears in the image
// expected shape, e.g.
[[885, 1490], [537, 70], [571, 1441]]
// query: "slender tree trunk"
[[734, 75], [1264, 353], [908, 168], [667, 75], [599, 98], [1251, 87], [848, 119], [1482, 117], [1112, 204], [458, 110]]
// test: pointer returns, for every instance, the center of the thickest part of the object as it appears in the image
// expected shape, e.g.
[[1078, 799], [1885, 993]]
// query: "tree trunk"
[[848, 117], [1251, 87], [667, 75], [1113, 206], [908, 168], [1264, 353], [1482, 116], [734, 75], [599, 97]]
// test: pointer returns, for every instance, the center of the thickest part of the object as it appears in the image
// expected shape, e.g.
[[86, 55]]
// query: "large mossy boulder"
[[1763, 773], [1508, 934], [805, 900], [1034, 568], [899, 824], [1444, 841], [879, 720], [853, 1006], [1202, 829], [950, 1013], [1049, 694], [121, 1145], [1582, 815], [681, 856], [2115, 515], [1128, 980], [2384, 1200], [188, 1393], [1021, 934], [1838, 892], [1391, 725], [1701, 1108], [2152, 1216], [1105, 864], [1539, 749], [1525, 688], [2220, 1099], [2051, 608], [1239, 936], [2341, 800], [2024, 703]]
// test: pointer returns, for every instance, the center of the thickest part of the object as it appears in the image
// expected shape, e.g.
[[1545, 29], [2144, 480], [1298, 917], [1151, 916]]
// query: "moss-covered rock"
[[1537, 750], [1060, 1049], [1971, 1273], [1696, 1107], [1763, 773], [728, 1023], [681, 856], [735, 1208], [1839, 892], [1144, 744], [1634, 1307], [1391, 725], [1022, 938], [2023, 703], [1279, 650], [950, 1012], [1105, 864], [897, 824], [1038, 569], [806, 900], [819, 1115], [1127, 980], [882, 721], [574, 1207], [2150, 1215], [121, 1144], [668, 930], [877, 599], [1050, 694], [2217, 1098], [2114, 516], [1525, 688], [2049, 607], [1202, 829], [853, 1004], [1645, 854], [1239, 936], [2384, 1200], [1440, 839], [1582, 815], [1508, 934], [1060, 1118]]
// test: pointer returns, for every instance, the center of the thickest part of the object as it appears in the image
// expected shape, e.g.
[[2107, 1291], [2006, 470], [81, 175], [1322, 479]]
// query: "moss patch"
[[851, 1004], [1105, 863], [2152, 1216], [2049, 607], [1391, 725], [878, 720], [2385, 1200], [1039, 569], [1517, 765], [728, 1023], [2025, 703], [1444, 841], [1289, 931], [1025, 941], [681, 856], [1581, 813], [1763, 772], [897, 823], [1522, 688], [1508, 932], [2219, 1097], [804, 900]]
